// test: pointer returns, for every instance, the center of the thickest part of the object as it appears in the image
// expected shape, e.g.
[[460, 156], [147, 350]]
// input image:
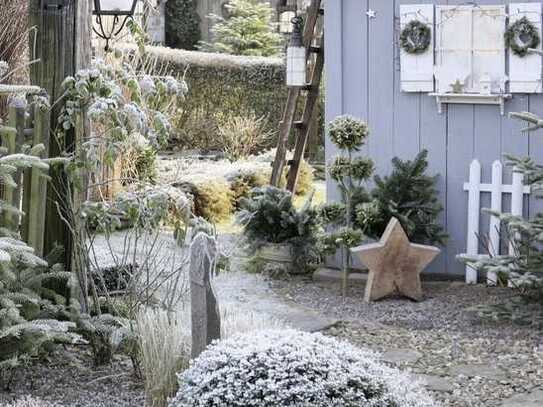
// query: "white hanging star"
[[371, 13]]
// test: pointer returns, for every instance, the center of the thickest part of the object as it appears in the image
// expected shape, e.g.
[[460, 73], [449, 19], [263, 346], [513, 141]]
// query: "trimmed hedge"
[[219, 85]]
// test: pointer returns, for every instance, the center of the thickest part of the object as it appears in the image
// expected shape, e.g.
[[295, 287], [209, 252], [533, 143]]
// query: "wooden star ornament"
[[394, 264], [457, 87]]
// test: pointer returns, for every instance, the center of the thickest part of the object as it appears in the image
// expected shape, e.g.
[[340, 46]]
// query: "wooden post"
[[205, 316], [63, 47], [13, 140], [37, 193]]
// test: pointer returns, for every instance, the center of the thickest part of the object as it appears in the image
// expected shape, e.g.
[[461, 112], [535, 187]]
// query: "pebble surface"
[[463, 361]]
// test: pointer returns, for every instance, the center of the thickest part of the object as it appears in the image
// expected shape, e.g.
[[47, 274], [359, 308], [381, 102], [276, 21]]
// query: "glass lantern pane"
[[285, 22], [116, 5]]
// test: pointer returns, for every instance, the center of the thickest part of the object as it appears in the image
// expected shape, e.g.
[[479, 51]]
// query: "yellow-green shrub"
[[213, 200], [243, 183]]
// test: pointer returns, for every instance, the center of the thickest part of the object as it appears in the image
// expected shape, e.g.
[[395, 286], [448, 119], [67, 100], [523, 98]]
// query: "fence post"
[[495, 206], [37, 194], [474, 200], [12, 140]]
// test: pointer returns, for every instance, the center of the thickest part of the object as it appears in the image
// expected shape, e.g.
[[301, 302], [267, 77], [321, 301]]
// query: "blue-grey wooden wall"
[[363, 79]]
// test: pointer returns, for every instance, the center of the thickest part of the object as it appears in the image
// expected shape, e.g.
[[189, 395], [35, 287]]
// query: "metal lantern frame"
[[119, 17]]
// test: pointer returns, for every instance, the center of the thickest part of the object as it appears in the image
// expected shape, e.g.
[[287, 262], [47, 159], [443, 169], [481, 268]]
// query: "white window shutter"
[[525, 73], [470, 47], [417, 71], [489, 24]]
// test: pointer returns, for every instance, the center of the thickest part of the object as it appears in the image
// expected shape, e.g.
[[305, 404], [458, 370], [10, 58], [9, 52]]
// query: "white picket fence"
[[497, 189]]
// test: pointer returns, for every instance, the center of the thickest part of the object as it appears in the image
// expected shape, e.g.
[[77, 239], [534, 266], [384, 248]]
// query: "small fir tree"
[[247, 31], [182, 24], [29, 310], [409, 195], [350, 173]]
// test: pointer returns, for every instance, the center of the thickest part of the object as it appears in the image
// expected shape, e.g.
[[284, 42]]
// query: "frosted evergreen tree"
[[248, 30], [30, 313]]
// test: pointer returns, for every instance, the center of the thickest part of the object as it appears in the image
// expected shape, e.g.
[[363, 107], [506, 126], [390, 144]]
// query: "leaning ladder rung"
[[284, 9]]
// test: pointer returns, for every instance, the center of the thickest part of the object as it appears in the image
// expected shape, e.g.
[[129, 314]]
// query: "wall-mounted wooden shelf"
[[470, 99]]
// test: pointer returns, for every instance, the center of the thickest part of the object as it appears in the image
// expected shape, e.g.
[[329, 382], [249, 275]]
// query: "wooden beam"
[[63, 47]]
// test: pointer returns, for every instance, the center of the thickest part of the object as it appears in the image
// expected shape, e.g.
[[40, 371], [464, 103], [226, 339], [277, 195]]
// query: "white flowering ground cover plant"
[[291, 368]]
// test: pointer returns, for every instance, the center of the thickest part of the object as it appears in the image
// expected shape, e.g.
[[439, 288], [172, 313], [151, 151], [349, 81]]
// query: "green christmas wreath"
[[415, 37], [521, 36]]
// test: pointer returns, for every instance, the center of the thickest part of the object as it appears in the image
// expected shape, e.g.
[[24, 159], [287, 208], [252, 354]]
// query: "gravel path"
[[464, 362]]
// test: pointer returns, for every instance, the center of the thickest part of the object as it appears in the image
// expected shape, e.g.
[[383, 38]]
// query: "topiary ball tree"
[[350, 173], [291, 368]]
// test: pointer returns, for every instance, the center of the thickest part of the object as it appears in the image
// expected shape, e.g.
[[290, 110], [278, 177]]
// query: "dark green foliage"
[[409, 195], [269, 216], [182, 24], [145, 165], [248, 30]]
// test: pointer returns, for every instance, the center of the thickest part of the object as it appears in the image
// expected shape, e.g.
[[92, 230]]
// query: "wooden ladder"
[[308, 123]]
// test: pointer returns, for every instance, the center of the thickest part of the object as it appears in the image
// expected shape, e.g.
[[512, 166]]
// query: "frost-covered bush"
[[290, 368], [165, 343], [29, 401]]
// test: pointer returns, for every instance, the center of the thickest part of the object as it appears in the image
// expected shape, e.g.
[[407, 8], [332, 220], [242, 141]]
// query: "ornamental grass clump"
[[350, 173], [296, 369]]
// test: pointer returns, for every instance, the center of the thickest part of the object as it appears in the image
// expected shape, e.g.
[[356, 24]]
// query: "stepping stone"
[[329, 275], [478, 370], [436, 383], [401, 356], [534, 399]]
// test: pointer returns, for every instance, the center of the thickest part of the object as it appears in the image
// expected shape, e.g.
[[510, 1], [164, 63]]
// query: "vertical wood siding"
[[363, 79]]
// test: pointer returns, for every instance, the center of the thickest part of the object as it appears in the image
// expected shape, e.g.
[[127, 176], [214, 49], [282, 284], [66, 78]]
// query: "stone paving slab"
[[478, 370], [436, 383], [534, 399], [401, 356]]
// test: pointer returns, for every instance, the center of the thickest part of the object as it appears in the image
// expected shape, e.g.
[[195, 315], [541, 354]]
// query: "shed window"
[[470, 47]]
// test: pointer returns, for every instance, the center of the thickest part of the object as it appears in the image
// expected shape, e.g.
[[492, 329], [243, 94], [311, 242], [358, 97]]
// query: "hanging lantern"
[[296, 56], [119, 10]]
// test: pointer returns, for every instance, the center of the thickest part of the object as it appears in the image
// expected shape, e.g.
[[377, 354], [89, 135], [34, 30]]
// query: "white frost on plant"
[[291, 368], [147, 85], [29, 401]]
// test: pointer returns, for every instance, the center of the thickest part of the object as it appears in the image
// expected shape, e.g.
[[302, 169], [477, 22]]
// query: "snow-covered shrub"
[[165, 344], [29, 401], [291, 368]]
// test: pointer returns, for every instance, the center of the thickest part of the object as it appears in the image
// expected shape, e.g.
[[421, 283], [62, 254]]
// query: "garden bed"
[[464, 361], [69, 378]]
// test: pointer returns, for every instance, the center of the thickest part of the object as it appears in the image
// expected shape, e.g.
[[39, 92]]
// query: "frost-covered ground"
[[234, 289]]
